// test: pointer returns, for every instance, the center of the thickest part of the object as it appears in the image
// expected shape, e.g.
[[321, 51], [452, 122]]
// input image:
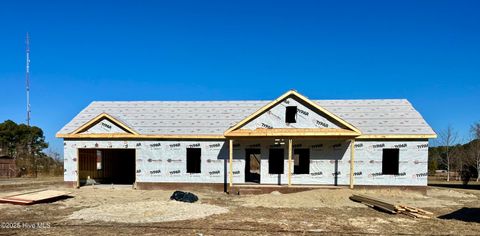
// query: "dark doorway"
[[276, 161], [301, 161], [107, 166], [252, 165]]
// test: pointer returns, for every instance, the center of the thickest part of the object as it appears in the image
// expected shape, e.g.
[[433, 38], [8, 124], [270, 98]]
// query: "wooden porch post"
[[289, 162], [78, 168], [230, 155], [352, 160]]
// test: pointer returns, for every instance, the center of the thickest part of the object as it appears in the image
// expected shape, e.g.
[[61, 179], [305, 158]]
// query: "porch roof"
[[292, 132]]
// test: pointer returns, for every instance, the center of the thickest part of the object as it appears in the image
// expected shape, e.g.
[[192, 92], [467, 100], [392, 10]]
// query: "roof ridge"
[[199, 101]]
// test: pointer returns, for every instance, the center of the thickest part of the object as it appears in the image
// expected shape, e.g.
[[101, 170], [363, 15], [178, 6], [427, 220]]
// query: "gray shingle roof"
[[376, 116]]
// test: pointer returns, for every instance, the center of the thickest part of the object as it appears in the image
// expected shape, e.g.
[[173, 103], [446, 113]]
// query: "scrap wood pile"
[[391, 208]]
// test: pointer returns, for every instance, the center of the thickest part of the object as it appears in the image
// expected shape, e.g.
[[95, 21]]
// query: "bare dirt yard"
[[123, 211]]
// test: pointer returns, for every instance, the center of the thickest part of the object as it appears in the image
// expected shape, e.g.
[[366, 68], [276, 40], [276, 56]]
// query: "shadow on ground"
[[55, 199], [460, 186], [464, 214]]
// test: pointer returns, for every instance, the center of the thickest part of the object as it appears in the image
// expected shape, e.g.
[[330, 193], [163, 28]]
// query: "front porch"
[[298, 162]]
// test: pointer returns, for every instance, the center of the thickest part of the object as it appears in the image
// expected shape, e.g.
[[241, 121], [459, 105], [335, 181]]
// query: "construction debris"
[[34, 197], [391, 208]]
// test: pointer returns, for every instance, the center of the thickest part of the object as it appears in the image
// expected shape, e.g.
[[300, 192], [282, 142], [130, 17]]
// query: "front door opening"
[[301, 161], [276, 161], [252, 165], [106, 166]]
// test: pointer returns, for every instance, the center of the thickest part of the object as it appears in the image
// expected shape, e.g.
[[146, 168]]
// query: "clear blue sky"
[[427, 52]]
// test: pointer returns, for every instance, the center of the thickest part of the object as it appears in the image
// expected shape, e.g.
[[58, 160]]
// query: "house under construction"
[[289, 141]]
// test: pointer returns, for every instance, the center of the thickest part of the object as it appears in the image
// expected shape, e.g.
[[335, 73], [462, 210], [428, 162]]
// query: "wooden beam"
[[290, 162], [379, 203], [141, 136], [293, 132], [352, 162], [246, 135], [230, 157], [78, 168], [100, 117], [396, 136]]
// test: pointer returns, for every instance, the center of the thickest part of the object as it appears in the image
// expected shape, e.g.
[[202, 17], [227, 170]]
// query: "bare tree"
[[474, 148], [476, 130], [447, 138]]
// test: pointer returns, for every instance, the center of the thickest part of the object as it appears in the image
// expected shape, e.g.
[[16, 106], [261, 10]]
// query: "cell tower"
[[28, 78]]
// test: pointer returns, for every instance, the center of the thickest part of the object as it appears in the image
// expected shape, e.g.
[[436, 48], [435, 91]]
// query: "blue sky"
[[424, 51]]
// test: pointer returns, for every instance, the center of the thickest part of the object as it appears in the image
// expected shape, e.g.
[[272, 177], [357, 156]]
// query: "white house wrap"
[[188, 142]]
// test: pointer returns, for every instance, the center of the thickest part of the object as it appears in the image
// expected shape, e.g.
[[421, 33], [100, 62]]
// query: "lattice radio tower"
[[27, 78]]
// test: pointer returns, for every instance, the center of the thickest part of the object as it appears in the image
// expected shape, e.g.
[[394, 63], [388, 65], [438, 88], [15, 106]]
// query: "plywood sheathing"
[[33, 197]]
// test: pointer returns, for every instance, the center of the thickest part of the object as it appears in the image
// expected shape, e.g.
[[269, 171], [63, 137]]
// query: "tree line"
[[458, 161], [27, 145]]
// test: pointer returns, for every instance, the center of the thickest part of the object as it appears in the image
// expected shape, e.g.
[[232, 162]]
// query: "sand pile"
[[339, 198], [449, 193], [147, 212], [308, 199]]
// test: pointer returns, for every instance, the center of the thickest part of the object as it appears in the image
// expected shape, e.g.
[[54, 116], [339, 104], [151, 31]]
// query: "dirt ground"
[[123, 211]]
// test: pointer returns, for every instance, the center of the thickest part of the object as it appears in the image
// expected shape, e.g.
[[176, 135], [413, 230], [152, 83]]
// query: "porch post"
[[352, 160], [230, 155], [289, 162]]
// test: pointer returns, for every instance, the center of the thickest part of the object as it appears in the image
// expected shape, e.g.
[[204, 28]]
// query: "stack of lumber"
[[391, 208]]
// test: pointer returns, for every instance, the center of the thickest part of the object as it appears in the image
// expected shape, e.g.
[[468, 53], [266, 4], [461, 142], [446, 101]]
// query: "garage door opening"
[[107, 166]]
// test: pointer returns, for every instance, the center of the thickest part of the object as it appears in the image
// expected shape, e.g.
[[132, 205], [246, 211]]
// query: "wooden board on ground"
[[33, 197], [379, 203], [392, 208]]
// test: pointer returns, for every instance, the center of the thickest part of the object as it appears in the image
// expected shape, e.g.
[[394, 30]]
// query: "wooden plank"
[[32, 197], [292, 132], [410, 209], [417, 210], [13, 194], [100, 117], [39, 196], [140, 136], [15, 201], [352, 159], [290, 162], [374, 201], [425, 212], [379, 207], [416, 215], [230, 155], [397, 136], [221, 137], [78, 168], [409, 214], [389, 207]]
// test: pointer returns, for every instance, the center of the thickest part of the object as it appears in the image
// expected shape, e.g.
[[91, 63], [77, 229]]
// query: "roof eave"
[[138, 136]]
